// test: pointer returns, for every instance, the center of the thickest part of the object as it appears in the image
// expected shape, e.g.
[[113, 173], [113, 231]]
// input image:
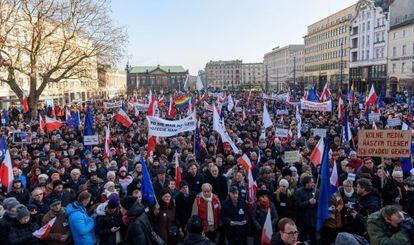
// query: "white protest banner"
[[111, 105], [292, 156], [281, 132], [274, 96], [374, 117], [316, 106], [394, 122], [321, 132], [141, 107], [282, 112], [166, 128], [91, 139]]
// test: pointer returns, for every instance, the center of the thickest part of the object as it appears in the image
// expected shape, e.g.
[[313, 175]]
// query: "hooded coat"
[[81, 225], [139, 230]]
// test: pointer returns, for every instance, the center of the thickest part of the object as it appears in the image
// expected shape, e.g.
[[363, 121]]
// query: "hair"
[[83, 196], [110, 173], [306, 180], [207, 185], [195, 224], [74, 171], [365, 184], [390, 210], [36, 190], [347, 181], [283, 222]]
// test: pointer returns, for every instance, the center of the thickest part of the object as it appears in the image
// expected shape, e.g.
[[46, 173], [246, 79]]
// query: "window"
[[394, 51], [383, 36], [404, 49], [367, 55], [412, 67], [368, 40], [403, 67], [395, 35], [404, 33], [377, 37], [393, 68], [368, 25]]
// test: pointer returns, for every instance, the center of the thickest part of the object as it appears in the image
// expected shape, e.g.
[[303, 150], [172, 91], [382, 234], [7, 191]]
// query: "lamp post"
[[342, 67]]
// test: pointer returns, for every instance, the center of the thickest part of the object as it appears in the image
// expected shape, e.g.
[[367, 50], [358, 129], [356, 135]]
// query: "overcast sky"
[[192, 32]]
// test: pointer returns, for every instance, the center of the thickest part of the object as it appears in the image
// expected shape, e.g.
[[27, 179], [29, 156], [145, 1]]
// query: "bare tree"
[[49, 41]]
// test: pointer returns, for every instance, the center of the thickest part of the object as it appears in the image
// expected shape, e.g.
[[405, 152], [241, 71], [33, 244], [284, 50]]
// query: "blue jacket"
[[81, 225]]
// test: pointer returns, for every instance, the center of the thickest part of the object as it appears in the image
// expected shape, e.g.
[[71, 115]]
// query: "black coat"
[[64, 196], [230, 212], [183, 209], [196, 239], [5, 225], [194, 184], [158, 186], [22, 195], [285, 206], [258, 216], [103, 224], [277, 240], [21, 234], [139, 230], [219, 185], [366, 205], [306, 213]]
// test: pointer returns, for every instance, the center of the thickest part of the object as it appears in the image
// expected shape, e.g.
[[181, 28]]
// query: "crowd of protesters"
[[97, 198]]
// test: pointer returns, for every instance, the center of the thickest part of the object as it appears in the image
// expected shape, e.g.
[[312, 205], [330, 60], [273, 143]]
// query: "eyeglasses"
[[39, 194], [292, 233]]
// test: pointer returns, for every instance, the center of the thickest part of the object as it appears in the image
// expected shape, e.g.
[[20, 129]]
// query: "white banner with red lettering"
[[316, 106], [167, 128]]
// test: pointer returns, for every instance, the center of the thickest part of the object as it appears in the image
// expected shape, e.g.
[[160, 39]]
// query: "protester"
[[195, 228], [22, 228], [288, 233], [59, 233], [109, 222], [259, 213], [138, 225]]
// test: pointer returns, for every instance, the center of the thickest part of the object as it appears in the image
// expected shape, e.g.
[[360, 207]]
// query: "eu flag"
[[147, 189], [326, 190], [3, 146], [74, 120], [88, 122], [312, 95], [6, 117]]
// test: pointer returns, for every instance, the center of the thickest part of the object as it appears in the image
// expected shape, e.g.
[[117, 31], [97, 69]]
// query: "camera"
[[409, 183]]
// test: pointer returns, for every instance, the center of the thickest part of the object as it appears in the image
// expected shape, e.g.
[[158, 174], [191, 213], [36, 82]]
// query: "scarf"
[[264, 204], [349, 194], [210, 214]]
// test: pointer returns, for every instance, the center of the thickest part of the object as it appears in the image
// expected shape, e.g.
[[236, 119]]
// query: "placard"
[[351, 177], [281, 132], [321, 132], [166, 128], [374, 117], [91, 139], [394, 122], [292, 156], [282, 112], [316, 106], [141, 107], [111, 105], [22, 137], [384, 143]]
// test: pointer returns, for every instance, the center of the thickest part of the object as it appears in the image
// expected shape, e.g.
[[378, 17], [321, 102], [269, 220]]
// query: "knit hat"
[[10, 203], [396, 174], [128, 201], [108, 184], [56, 183], [113, 203], [286, 172], [284, 183], [293, 169], [44, 176], [22, 211], [54, 202], [262, 193], [183, 183], [165, 191]]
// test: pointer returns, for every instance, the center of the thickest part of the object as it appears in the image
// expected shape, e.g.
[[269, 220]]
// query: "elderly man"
[[75, 180]]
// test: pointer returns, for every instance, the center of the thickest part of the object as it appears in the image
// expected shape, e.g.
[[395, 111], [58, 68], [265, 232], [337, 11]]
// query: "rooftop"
[[144, 69]]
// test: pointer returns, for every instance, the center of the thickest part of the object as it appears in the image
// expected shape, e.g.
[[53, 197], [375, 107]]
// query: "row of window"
[[404, 67], [326, 56], [327, 45], [223, 67], [326, 35], [226, 71], [404, 50], [327, 66], [404, 34]]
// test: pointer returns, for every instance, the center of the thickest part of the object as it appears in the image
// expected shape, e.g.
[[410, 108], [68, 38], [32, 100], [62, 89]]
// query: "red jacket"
[[202, 210]]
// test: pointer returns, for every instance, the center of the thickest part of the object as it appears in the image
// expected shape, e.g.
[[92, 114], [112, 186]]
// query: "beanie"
[[183, 183], [22, 211], [10, 203], [113, 203], [128, 201], [56, 183], [284, 183]]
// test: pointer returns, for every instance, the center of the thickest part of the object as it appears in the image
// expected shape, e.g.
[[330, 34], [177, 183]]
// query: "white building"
[[368, 46], [224, 75], [252, 75], [284, 66]]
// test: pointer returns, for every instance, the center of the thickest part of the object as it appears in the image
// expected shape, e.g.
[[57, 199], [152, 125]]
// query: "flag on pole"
[[171, 109], [267, 231], [123, 118], [341, 108], [43, 232], [334, 176], [267, 122], [298, 121], [351, 95], [326, 93], [147, 189], [346, 129], [42, 123], [371, 98], [230, 103], [52, 124], [88, 122], [68, 115], [197, 138], [326, 190], [107, 141], [25, 103], [6, 171], [317, 153], [177, 172], [3, 146]]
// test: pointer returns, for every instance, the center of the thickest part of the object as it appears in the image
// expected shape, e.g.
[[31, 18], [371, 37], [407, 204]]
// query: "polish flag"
[[123, 118], [334, 176], [374, 126], [52, 124], [25, 103], [68, 115], [245, 162], [161, 101], [43, 232], [42, 123], [371, 98], [326, 93], [317, 153], [341, 108], [107, 141], [267, 231], [177, 173], [171, 108], [151, 145], [6, 172], [252, 188]]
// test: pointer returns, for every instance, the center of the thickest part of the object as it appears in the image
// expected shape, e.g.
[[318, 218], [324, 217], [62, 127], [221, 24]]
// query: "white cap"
[[284, 183], [43, 176], [412, 171], [397, 174]]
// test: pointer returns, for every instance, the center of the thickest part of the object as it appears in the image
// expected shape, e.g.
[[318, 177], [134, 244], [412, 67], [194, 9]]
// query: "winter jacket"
[[139, 230], [104, 222], [81, 225], [21, 234], [306, 213], [42, 208], [22, 195], [158, 187], [183, 205], [259, 214], [200, 208], [164, 220], [382, 233], [366, 205], [5, 225], [219, 185], [285, 204], [196, 239], [277, 240], [59, 228], [231, 212], [194, 183], [64, 196]]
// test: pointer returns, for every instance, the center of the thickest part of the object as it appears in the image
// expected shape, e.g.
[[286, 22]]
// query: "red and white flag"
[[326, 93], [68, 115], [252, 188], [341, 108], [177, 173], [267, 231], [42, 123], [374, 126], [371, 98], [171, 108], [25, 103], [123, 118], [245, 162], [6, 171], [107, 141], [52, 124], [317, 153], [151, 145], [43, 232], [267, 122]]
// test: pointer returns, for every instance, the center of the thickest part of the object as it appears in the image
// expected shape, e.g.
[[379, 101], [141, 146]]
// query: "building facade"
[[284, 67], [327, 50], [224, 75], [401, 47], [112, 82], [142, 79], [252, 76], [368, 47]]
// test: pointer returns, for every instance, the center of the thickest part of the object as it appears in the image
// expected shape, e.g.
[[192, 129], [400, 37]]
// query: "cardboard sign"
[[394, 122], [166, 128], [384, 143], [22, 137], [281, 132], [282, 112], [351, 177], [292, 156], [321, 132], [91, 139], [374, 117], [111, 105]]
